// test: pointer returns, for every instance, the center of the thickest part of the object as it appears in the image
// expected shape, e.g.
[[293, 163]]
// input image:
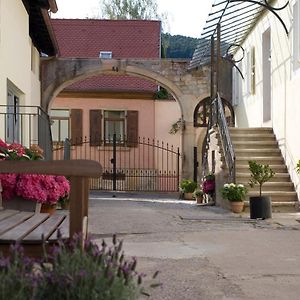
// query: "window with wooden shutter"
[[76, 126], [132, 128], [95, 127]]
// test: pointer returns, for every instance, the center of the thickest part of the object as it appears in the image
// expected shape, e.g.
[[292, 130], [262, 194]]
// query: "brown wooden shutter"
[[132, 128], [76, 126], [95, 127]]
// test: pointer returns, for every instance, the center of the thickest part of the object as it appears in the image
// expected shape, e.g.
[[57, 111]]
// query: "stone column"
[[188, 102], [188, 143]]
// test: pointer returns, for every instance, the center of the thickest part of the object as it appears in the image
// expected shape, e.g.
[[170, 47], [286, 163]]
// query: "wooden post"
[[78, 203]]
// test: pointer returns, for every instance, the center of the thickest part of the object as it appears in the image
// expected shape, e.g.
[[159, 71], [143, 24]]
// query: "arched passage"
[[202, 111], [185, 86], [201, 115]]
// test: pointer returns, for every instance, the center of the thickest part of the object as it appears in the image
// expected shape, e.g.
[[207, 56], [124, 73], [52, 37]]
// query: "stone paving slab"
[[203, 252]]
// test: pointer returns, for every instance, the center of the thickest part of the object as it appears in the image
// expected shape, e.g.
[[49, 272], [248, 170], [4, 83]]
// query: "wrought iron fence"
[[26, 125], [141, 165], [218, 118]]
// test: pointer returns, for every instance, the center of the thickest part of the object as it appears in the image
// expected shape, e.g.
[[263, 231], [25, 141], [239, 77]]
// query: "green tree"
[[130, 9]]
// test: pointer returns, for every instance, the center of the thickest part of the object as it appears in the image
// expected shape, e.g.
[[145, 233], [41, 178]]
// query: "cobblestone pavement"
[[202, 252]]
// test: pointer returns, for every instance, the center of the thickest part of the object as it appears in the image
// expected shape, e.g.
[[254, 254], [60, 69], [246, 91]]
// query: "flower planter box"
[[18, 203]]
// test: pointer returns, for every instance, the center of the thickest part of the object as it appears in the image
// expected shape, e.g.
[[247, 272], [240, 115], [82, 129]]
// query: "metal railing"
[[144, 165], [218, 118], [26, 125]]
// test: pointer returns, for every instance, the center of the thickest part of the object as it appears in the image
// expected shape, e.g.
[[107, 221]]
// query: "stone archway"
[[186, 86], [201, 114]]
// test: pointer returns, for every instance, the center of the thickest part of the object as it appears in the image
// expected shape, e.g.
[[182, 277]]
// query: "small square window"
[[105, 55]]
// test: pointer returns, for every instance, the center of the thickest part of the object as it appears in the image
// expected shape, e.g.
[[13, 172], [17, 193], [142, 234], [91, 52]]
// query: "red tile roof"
[[125, 38]]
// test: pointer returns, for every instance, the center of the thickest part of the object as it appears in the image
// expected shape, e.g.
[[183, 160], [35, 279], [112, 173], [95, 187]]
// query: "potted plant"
[[30, 192], [208, 185], [260, 206], [235, 194], [198, 195], [188, 186]]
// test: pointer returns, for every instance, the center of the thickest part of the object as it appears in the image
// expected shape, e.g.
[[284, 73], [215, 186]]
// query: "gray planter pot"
[[260, 207], [18, 203]]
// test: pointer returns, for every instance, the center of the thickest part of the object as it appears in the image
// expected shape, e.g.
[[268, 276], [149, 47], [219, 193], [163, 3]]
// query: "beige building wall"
[[167, 112], [284, 83], [19, 60], [15, 53]]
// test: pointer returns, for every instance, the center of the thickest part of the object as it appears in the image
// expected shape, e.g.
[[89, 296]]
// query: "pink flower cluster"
[[208, 186], [41, 188]]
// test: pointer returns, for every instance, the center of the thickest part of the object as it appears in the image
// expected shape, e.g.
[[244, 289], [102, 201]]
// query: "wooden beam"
[[82, 168]]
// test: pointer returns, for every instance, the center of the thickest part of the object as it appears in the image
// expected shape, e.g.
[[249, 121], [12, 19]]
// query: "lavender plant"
[[70, 272]]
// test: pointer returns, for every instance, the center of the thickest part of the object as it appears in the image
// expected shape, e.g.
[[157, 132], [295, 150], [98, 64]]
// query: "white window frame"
[[248, 72], [105, 54], [296, 35], [237, 85], [108, 139], [13, 121], [57, 119]]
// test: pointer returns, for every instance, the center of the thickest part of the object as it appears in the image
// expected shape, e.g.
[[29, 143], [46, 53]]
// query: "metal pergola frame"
[[235, 18]]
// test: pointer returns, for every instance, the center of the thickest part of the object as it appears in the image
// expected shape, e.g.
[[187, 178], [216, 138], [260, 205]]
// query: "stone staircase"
[[260, 144]]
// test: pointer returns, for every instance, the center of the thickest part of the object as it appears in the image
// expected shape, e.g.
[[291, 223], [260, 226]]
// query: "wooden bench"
[[28, 228]]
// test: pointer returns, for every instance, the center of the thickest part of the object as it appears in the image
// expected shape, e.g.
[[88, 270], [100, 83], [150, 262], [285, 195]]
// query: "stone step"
[[244, 168], [252, 137], [279, 207], [257, 152], [271, 186], [255, 145], [251, 130], [279, 177], [277, 196], [276, 160]]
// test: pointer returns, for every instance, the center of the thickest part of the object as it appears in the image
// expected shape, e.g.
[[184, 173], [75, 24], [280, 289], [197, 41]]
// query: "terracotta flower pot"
[[188, 196], [48, 208], [199, 199], [237, 206]]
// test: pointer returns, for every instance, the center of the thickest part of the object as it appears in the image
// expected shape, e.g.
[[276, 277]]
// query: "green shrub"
[[234, 192], [259, 174], [188, 185], [68, 272], [298, 167]]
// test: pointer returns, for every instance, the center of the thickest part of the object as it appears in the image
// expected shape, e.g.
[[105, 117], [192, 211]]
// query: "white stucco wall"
[[285, 86], [15, 53]]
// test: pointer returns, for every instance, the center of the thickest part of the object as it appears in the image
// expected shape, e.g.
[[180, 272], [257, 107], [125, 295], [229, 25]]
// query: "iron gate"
[[142, 165]]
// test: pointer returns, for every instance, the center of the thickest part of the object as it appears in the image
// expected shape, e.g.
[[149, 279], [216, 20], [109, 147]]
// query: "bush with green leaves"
[[298, 167], [259, 174], [198, 193], [188, 185], [234, 192], [69, 272]]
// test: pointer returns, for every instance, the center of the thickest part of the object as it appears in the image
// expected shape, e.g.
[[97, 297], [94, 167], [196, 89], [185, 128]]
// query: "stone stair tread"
[[248, 135], [250, 128], [277, 193], [276, 183], [278, 203], [277, 173], [260, 157], [257, 150]]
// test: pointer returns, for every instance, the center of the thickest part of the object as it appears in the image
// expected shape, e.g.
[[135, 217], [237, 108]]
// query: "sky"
[[185, 19]]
